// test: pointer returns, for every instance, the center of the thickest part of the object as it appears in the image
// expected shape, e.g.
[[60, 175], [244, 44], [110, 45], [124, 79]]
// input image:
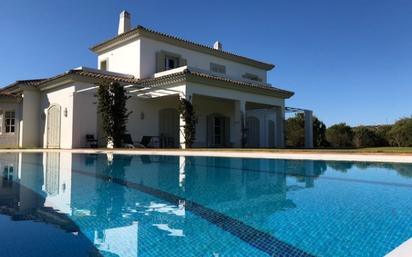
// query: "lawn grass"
[[371, 150]]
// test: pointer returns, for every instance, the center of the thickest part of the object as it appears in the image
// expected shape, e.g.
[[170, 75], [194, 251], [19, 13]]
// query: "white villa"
[[230, 94]]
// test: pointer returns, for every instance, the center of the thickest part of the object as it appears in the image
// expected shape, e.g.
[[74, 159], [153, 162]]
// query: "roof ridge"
[[211, 50]]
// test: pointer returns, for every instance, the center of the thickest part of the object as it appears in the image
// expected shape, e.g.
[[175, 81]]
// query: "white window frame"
[[174, 58], [10, 125]]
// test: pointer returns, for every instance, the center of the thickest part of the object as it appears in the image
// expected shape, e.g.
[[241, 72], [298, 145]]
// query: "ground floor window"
[[218, 130], [10, 118]]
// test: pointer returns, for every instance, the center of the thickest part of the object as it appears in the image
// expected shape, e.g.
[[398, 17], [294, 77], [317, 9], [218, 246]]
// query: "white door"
[[53, 127], [253, 132], [52, 173]]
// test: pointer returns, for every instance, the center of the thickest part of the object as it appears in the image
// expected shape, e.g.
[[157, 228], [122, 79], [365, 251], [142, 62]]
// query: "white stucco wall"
[[264, 116], [206, 105], [30, 125], [124, 59], [84, 114], [62, 96], [138, 58], [150, 108], [149, 48]]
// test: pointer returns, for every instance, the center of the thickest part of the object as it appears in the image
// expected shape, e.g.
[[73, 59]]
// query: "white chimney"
[[124, 22], [218, 46]]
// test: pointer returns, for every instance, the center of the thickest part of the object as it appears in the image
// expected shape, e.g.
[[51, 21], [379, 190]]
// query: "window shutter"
[[182, 62], [227, 132], [160, 61]]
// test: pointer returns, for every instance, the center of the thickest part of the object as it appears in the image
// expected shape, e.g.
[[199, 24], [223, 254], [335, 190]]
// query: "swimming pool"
[[64, 204]]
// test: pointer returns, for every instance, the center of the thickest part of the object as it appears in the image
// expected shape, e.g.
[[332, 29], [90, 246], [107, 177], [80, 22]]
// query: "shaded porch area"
[[222, 122]]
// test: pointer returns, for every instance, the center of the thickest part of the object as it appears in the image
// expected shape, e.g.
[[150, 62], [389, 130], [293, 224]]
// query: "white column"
[[308, 129], [240, 108], [309, 173], [182, 172], [30, 119], [279, 129]]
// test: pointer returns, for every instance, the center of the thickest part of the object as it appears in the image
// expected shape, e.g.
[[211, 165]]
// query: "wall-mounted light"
[[65, 112], [142, 115]]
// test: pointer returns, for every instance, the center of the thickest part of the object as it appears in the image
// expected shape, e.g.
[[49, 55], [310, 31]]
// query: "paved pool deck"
[[266, 154]]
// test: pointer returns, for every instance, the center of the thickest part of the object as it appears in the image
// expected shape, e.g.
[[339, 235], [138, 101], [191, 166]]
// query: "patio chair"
[[91, 140], [129, 143], [146, 141]]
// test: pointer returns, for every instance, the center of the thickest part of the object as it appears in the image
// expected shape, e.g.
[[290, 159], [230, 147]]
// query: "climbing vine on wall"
[[112, 98], [188, 114]]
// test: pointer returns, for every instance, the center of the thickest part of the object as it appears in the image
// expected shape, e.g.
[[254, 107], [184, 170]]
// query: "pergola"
[[308, 124]]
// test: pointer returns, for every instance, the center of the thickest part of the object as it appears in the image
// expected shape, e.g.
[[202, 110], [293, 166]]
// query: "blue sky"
[[350, 61]]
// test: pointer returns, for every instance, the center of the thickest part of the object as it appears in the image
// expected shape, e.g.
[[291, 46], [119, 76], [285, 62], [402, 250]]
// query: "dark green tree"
[[400, 134], [295, 131], [365, 137], [112, 98], [188, 114], [382, 133], [340, 135]]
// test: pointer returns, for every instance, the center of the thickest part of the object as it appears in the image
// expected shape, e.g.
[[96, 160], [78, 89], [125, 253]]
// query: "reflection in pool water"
[[194, 206]]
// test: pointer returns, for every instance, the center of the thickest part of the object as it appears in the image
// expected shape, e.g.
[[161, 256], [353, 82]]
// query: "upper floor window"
[[168, 61], [252, 77], [171, 62], [10, 118], [103, 65], [217, 68]]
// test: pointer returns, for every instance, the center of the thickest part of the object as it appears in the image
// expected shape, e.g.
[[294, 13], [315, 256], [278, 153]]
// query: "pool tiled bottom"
[[64, 204]]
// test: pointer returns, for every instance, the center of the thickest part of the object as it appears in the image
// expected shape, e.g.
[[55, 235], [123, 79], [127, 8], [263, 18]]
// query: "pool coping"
[[403, 250], [359, 157]]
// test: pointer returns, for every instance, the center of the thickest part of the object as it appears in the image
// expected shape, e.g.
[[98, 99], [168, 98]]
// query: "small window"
[[10, 118], [103, 65], [171, 62], [217, 68]]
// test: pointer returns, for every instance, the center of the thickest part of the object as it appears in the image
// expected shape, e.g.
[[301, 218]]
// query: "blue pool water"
[[63, 204]]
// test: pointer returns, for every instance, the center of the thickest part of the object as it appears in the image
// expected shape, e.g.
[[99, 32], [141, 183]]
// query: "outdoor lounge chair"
[[91, 140], [128, 142]]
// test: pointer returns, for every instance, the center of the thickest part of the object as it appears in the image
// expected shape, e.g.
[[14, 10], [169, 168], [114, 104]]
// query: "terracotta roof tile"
[[190, 73], [140, 30]]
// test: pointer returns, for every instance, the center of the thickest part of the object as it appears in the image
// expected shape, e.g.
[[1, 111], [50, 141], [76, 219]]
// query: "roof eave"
[[142, 31], [187, 76]]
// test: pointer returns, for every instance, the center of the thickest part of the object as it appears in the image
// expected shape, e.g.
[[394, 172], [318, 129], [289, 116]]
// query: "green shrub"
[[365, 137], [295, 131], [400, 134], [340, 135], [112, 98]]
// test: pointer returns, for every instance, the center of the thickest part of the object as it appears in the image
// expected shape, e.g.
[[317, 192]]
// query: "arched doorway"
[[169, 127], [53, 126], [253, 132]]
